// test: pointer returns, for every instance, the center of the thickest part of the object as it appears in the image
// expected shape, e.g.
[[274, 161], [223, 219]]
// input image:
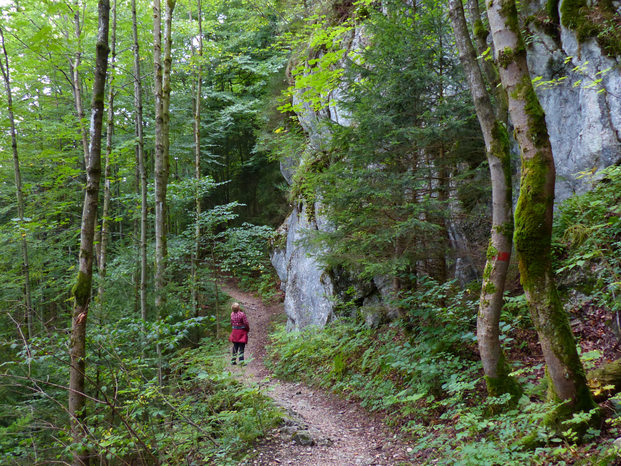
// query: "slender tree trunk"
[[197, 162], [77, 83], [481, 36], [533, 216], [81, 291], [499, 250], [105, 216], [161, 175], [161, 162], [166, 75], [162, 120], [28, 314], [443, 197], [142, 171], [215, 284]]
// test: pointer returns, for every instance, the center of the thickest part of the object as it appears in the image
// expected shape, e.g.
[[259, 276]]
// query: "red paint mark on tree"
[[503, 256]]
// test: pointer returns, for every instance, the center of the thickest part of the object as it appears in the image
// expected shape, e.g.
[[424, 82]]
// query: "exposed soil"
[[321, 429]]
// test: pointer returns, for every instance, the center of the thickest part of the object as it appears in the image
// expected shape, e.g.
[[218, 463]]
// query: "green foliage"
[[372, 176], [319, 49], [433, 392], [376, 366], [588, 237], [239, 68], [201, 411], [376, 179], [129, 417], [244, 254]]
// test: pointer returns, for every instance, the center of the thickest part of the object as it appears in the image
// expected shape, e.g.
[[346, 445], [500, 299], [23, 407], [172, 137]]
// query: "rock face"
[[583, 116], [584, 124], [308, 288]]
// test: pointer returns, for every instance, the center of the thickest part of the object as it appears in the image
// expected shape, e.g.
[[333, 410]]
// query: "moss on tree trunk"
[[497, 146], [533, 219]]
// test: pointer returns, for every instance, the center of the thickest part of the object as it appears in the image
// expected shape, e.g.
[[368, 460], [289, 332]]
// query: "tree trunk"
[[162, 119], [499, 250], [443, 197], [533, 216], [81, 291], [77, 84], [215, 284], [197, 163], [140, 163], [105, 220], [481, 36], [28, 314]]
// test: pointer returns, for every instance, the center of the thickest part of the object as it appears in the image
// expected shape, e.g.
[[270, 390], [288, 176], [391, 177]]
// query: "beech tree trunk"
[[6, 75], [162, 120], [105, 215], [533, 216], [498, 153], [81, 291], [140, 164], [160, 162], [77, 83], [197, 161]]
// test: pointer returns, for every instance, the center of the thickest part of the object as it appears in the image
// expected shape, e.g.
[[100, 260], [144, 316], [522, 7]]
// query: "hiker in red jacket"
[[239, 332]]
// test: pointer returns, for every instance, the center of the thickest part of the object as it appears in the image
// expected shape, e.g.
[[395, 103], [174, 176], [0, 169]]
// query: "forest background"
[[239, 74]]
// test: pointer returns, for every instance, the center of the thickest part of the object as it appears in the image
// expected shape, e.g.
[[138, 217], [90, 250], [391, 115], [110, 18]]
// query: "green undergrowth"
[[244, 255], [221, 418], [434, 397], [199, 414], [588, 240]]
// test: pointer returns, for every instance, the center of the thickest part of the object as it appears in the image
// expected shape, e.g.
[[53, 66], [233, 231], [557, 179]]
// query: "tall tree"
[[141, 172], [197, 155], [533, 216], [499, 250], [82, 289], [162, 149], [105, 214], [4, 67], [162, 140], [74, 65]]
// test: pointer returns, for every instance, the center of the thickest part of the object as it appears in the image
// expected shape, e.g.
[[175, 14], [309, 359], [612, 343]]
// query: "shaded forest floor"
[[320, 429]]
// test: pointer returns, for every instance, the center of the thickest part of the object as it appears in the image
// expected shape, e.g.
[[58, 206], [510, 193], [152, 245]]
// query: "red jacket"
[[239, 322]]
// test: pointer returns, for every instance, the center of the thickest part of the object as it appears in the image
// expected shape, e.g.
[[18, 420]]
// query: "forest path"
[[343, 433]]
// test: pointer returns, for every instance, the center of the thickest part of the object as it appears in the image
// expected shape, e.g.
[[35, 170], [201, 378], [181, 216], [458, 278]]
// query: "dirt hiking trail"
[[320, 429]]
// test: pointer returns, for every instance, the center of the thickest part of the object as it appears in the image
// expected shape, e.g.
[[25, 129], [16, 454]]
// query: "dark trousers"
[[238, 348]]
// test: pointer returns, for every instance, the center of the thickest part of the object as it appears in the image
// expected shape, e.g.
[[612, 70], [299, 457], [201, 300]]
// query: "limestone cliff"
[[579, 87]]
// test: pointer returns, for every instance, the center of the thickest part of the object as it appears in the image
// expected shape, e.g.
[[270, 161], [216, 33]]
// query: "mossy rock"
[[598, 20], [605, 381], [304, 438]]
